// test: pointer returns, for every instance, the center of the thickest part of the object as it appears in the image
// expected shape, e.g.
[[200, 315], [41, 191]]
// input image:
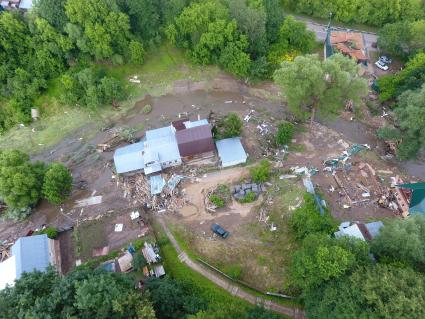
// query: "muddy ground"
[[222, 95]]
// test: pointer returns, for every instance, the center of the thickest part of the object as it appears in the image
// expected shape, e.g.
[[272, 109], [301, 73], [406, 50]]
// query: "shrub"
[[285, 132], [217, 201], [17, 214], [138, 244], [307, 219], [230, 126], [51, 232], [261, 172], [147, 109], [249, 197], [57, 183], [223, 192], [139, 261]]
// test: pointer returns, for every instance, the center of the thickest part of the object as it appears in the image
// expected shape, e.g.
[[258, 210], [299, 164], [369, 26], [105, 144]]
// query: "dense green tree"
[[136, 52], [402, 38], [307, 220], [410, 121], [293, 37], [57, 183], [376, 13], [80, 294], [145, 19], [410, 78], [251, 21], [402, 241], [381, 292], [274, 19], [20, 180], [174, 299], [311, 85], [53, 11], [139, 261], [98, 28], [322, 259]]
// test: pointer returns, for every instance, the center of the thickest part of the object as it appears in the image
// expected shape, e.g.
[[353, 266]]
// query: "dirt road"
[[230, 287]]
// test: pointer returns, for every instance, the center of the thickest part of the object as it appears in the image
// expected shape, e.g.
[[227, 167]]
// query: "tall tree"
[[57, 183], [83, 293], [251, 21], [274, 19], [381, 292], [53, 11], [20, 180], [311, 85], [322, 259], [402, 241]]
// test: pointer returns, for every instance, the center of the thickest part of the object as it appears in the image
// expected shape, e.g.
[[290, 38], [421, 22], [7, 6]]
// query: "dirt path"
[[230, 287]]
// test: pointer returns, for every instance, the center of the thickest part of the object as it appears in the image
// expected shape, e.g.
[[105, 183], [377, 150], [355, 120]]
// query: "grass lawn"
[[270, 251], [162, 66]]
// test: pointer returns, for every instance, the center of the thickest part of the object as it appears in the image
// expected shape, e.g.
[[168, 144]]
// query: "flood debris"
[[94, 200]]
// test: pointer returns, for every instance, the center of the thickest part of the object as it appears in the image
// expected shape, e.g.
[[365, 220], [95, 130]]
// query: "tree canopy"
[[375, 13], [57, 183], [311, 85], [381, 291], [83, 293], [402, 241], [20, 180]]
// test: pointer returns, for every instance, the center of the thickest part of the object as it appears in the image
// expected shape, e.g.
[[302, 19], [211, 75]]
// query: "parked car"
[[385, 60], [216, 228], [381, 65]]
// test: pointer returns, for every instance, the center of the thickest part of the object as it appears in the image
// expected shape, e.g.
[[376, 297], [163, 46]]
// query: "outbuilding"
[[231, 151]]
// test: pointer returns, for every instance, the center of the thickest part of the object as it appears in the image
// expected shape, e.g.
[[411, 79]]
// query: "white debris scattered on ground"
[[134, 215], [118, 228], [94, 200]]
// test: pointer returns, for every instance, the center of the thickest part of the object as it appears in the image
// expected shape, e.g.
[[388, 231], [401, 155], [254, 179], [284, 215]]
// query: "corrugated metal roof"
[[231, 151], [195, 140], [190, 124], [351, 231], [31, 253], [374, 228], [157, 183], [159, 132], [129, 158], [166, 147]]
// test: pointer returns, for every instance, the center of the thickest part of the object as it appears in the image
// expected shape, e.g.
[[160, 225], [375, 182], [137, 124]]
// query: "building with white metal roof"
[[231, 151]]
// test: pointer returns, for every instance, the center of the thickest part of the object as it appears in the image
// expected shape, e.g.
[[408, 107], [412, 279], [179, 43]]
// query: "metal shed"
[[194, 141], [231, 151]]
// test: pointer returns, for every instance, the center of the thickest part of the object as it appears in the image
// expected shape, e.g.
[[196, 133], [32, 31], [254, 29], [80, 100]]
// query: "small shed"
[[231, 151], [195, 140], [125, 262]]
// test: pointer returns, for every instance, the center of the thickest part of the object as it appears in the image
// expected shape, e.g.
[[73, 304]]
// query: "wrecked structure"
[[359, 230], [410, 198]]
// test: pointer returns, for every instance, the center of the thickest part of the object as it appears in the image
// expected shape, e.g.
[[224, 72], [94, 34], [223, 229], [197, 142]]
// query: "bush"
[[17, 214], [138, 244], [57, 183], [261, 172], [285, 133], [249, 197], [217, 201], [147, 109], [139, 261], [230, 126], [307, 219], [51, 232]]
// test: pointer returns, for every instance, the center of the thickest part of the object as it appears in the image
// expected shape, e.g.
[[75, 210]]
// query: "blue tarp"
[[231, 151], [31, 253]]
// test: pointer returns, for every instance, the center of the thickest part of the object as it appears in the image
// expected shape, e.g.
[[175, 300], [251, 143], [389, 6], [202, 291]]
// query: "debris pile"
[[138, 187]]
